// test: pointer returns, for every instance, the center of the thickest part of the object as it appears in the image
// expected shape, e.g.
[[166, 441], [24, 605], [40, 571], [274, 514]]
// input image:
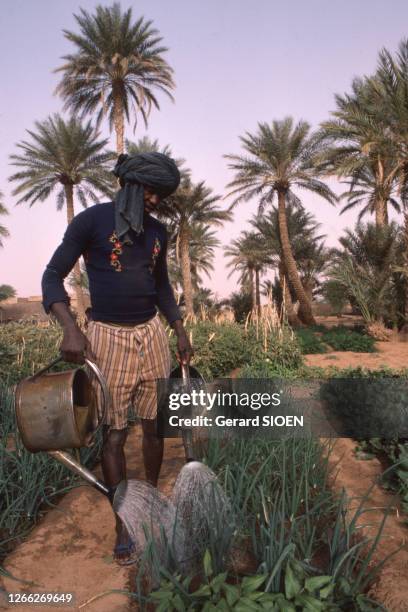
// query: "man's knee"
[[114, 439]]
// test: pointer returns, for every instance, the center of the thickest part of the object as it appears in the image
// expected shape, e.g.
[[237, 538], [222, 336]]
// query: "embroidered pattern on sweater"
[[116, 251], [155, 253]]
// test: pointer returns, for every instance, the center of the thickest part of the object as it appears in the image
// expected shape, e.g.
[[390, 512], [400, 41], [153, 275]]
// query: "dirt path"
[[356, 476], [390, 354], [71, 549]]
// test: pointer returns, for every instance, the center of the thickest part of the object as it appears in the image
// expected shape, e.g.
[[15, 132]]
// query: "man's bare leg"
[[114, 470], [152, 447]]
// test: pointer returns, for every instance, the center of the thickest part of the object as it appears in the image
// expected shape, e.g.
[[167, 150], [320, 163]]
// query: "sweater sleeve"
[[165, 297], [73, 245]]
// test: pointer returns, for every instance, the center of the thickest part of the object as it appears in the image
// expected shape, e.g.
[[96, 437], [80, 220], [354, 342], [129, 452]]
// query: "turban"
[[155, 170]]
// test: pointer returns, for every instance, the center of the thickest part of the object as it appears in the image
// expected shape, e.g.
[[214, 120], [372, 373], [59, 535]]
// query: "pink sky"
[[236, 63]]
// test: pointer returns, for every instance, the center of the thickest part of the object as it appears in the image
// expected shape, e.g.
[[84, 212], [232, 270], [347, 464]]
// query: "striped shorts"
[[131, 360]]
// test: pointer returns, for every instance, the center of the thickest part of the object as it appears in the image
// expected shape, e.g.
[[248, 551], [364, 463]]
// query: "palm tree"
[[189, 205], [278, 158], [390, 97], [201, 249], [306, 247], [83, 282], [205, 298], [147, 145], [248, 256], [65, 155], [374, 196], [4, 233], [359, 149], [365, 267], [117, 67]]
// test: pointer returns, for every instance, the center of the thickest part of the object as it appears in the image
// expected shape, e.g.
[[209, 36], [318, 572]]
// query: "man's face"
[[151, 199]]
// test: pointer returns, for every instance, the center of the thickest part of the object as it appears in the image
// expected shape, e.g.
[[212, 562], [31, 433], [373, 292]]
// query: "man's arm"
[[73, 245], [55, 298], [184, 349], [168, 307], [75, 345]]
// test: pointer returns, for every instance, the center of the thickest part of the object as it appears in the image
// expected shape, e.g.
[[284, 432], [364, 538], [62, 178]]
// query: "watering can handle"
[[101, 381], [185, 373], [187, 432], [105, 393]]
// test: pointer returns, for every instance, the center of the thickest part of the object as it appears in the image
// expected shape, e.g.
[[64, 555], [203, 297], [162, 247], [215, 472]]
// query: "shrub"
[[336, 294], [309, 342], [343, 339], [218, 348]]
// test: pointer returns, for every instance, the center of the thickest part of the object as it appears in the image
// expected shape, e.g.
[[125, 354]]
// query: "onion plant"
[[303, 539]]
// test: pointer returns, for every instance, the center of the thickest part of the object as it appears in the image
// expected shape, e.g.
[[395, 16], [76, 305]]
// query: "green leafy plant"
[[220, 349], [343, 339], [215, 593], [309, 342]]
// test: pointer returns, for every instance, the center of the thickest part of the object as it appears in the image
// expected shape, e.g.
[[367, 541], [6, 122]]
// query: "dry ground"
[[392, 354]]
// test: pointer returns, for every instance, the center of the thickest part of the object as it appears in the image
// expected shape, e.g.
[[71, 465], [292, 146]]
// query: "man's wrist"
[[62, 313], [178, 327]]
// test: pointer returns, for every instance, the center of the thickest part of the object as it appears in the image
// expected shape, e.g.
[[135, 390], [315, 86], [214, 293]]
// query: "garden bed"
[[77, 536], [355, 476]]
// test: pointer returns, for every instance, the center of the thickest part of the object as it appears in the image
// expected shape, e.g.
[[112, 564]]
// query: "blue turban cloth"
[[155, 170]]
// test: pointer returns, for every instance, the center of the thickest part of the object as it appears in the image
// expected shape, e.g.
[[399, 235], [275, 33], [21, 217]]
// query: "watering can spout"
[[69, 462]]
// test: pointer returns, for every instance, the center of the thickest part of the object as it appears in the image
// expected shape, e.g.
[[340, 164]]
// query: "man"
[[124, 248]]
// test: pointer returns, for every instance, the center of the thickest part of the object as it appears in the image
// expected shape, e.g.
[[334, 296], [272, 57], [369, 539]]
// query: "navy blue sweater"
[[126, 282]]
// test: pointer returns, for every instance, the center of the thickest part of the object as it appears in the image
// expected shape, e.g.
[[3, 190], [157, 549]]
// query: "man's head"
[[145, 178], [151, 199], [154, 170]]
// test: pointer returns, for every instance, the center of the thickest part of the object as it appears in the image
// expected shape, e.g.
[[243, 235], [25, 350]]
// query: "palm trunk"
[[119, 120], [186, 272], [381, 214], [305, 313], [289, 310], [253, 288], [404, 328], [257, 293], [69, 194], [309, 286]]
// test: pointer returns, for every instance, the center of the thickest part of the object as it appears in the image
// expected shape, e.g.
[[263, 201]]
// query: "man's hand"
[[184, 349], [75, 346]]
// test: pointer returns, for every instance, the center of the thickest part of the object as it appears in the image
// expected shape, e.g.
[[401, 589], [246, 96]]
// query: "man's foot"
[[124, 552]]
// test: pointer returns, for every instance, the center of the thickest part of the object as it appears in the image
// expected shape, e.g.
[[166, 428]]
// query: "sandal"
[[129, 550]]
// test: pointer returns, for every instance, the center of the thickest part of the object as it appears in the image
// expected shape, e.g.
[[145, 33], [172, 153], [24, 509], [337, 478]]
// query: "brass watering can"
[[55, 412]]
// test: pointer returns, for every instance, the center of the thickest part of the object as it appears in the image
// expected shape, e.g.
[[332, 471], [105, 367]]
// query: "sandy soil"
[[391, 354], [71, 550], [356, 476]]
